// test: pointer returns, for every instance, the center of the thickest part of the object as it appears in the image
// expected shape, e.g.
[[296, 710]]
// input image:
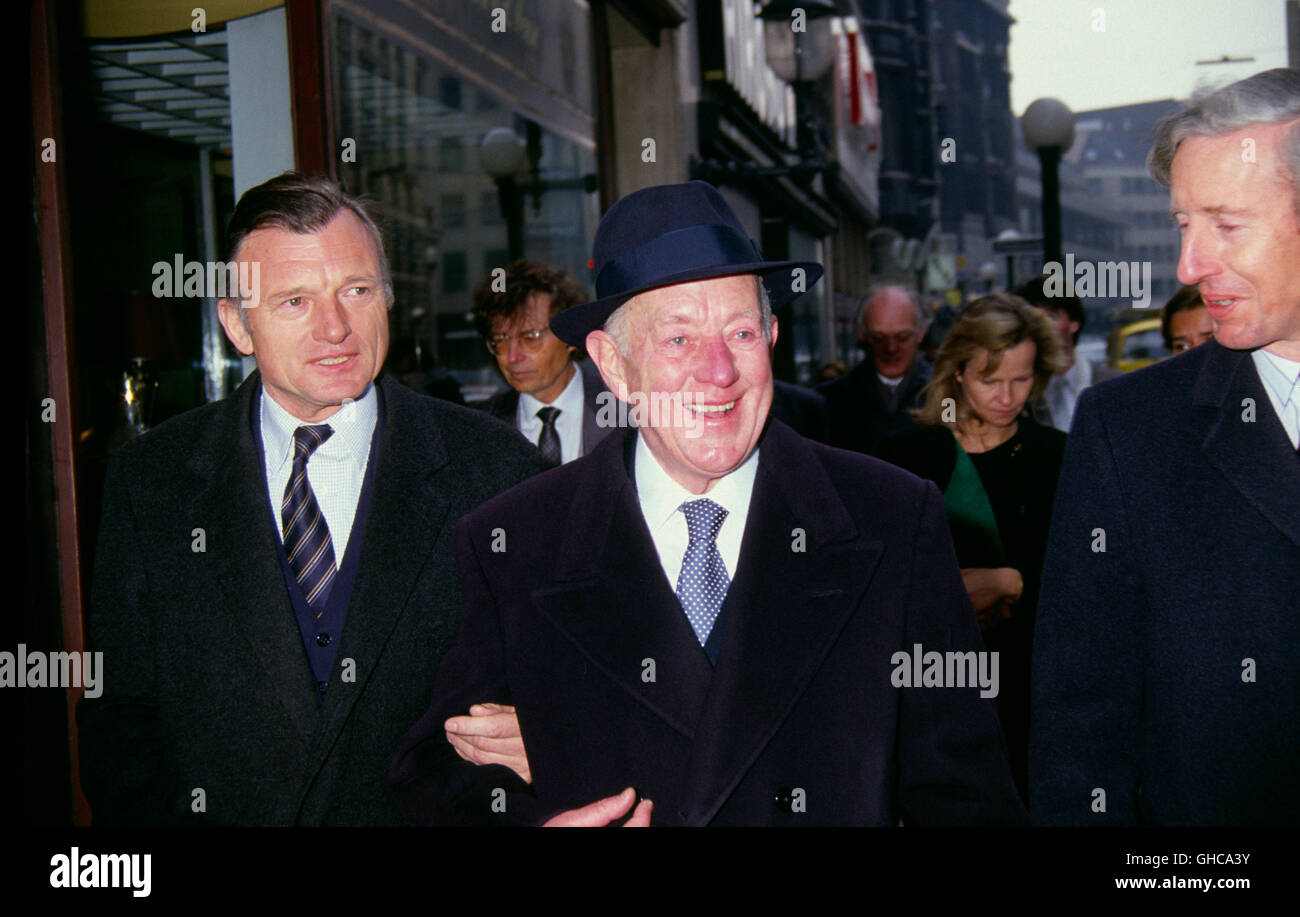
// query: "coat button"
[[324, 639]]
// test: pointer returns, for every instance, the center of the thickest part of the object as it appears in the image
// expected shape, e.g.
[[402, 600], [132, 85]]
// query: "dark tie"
[[549, 441], [306, 535], [703, 582]]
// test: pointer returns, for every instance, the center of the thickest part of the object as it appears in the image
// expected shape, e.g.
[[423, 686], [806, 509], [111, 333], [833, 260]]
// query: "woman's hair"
[[994, 323]]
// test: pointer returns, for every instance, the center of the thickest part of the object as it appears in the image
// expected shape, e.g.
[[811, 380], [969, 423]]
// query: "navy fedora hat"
[[671, 234]]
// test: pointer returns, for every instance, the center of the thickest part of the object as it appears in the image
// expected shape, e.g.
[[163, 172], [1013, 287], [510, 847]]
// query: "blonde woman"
[[997, 468]]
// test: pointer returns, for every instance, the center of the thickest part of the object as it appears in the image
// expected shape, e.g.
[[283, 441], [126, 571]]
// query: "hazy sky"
[[1139, 50]]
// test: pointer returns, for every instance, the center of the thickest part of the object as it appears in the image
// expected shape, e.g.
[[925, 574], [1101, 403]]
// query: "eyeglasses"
[[530, 341]]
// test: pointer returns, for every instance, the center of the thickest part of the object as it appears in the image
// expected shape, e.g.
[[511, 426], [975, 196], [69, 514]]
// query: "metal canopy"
[[177, 86]]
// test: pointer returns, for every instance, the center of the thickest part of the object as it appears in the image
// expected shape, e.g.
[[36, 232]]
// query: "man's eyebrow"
[[286, 292], [302, 290], [1219, 210], [354, 278]]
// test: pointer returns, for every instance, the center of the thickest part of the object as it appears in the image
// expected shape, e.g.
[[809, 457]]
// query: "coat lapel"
[[775, 639], [248, 585], [614, 602], [504, 405], [407, 511], [1256, 457], [592, 386]]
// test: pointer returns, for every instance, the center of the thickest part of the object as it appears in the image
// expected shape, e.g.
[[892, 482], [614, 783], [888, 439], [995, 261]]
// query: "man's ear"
[[772, 334], [604, 353], [232, 319]]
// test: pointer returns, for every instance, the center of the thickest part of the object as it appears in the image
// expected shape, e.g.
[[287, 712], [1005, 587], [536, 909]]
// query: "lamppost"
[[515, 166], [800, 50], [502, 156], [1048, 126]]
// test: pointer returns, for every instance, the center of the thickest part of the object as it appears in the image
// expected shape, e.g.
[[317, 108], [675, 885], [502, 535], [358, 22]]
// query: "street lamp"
[[1048, 126], [988, 274], [515, 166], [800, 50], [502, 156], [797, 39]]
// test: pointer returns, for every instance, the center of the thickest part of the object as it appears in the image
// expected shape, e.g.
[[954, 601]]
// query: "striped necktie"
[[549, 441], [307, 539]]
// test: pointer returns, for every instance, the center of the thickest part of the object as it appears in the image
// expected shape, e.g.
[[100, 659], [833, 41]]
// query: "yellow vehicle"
[[1135, 344]]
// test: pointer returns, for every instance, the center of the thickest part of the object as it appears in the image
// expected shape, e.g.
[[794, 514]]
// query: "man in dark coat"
[[554, 400], [273, 582], [774, 684], [1166, 687], [874, 400]]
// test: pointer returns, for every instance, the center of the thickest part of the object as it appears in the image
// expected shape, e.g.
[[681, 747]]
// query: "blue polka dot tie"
[[702, 584], [306, 536]]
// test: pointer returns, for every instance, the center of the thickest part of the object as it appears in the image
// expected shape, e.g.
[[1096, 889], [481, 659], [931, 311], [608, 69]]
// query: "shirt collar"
[[1278, 373], [353, 426], [568, 401], [1079, 375], [660, 496]]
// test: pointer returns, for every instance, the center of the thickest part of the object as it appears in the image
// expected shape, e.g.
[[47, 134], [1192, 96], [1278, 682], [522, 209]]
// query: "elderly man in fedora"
[[710, 613]]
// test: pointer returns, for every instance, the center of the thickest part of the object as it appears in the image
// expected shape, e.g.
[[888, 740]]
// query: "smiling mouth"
[[335, 361], [712, 408], [1219, 302]]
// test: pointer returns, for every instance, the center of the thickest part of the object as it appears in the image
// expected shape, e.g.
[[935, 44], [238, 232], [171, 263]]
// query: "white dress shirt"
[[1281, 378], [336, 470], [568, 425], [892, 383], [1063, 392], [661, 498]]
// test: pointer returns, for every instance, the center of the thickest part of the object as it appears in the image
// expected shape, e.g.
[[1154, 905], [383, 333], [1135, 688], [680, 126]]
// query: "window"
[[449, 92], [455, 270], [452, 154], [454, 213]]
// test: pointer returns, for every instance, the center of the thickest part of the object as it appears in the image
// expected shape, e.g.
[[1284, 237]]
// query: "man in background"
[[552, 400], [1185, 322], [875, 399], [1067, 314]]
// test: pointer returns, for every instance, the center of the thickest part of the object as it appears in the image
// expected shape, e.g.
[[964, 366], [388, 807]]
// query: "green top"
[[968, 503]]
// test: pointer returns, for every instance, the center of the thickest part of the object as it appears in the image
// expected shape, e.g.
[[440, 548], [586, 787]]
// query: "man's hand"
[[603, 811], [992, 590], [490, 735]]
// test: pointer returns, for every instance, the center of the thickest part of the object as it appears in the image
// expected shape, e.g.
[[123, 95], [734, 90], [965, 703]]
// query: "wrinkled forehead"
[[1210, 166], [722, 299]]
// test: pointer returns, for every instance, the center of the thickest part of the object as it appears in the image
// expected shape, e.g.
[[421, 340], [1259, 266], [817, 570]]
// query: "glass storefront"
[[413, 100]]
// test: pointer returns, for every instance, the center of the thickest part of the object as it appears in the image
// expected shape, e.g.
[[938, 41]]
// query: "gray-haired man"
[[1166, 686]]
